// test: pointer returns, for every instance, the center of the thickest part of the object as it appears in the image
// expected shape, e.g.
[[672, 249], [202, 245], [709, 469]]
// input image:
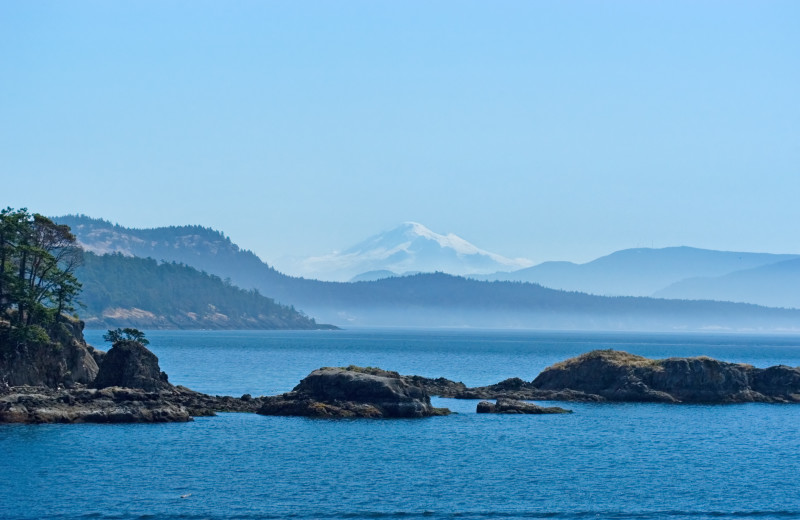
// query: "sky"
[[543, 130]]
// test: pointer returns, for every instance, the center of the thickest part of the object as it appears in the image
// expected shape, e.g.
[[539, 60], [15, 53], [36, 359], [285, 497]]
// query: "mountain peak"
[[410, 247], [450, 240]]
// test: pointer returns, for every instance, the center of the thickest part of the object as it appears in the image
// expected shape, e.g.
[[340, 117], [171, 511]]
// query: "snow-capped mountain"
[[410, 248]]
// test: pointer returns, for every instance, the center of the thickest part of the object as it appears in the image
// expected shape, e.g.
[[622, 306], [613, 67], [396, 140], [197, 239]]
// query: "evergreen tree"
[[117, 335], [38, 259]]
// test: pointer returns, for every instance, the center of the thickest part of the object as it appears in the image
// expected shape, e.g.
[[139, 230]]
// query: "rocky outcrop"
[[439, 386], [88, 405], [609, 375], [353, 392], [512, 406], [199, 404], [780, 381], [114, 405], [128, 386], [619, 376], [130, 364], [516, 388], [61, 360]]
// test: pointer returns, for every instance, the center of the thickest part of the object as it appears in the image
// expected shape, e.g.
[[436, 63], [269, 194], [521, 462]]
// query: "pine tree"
[[38, 259]]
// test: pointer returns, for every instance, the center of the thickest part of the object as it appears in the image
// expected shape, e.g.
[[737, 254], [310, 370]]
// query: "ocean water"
[[624, 461]]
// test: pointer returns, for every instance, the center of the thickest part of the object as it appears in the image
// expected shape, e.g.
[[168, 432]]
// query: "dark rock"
[[200, 404], [109, 405], [130, 364], [699, 379], [114, 405], [512, 406], [485, 407], [65, 361], [439, 386], [608, 375], [619, 376], [292, 404], [353, 392], [781, 382], [513, 388], [129, 387]]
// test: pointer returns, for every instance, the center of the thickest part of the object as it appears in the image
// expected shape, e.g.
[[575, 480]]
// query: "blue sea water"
[[622, 461]]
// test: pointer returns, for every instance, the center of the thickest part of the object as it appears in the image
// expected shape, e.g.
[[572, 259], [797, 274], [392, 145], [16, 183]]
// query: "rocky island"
[[71, 382], [353, 392], [611, 375], [68, 381]]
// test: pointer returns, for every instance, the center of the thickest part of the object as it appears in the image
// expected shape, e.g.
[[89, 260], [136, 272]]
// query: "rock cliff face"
[[353, 392], [66, 360], [619, 376]]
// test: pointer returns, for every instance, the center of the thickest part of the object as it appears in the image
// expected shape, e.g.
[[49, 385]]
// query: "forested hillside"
[[426, 300], [120, 290], [204, 248]]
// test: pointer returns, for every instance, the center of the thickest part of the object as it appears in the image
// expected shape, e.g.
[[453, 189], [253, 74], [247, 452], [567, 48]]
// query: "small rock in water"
[[512, 406]]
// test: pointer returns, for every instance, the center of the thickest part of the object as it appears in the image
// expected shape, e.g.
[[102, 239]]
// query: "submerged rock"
[[353, 392], [512, 406]]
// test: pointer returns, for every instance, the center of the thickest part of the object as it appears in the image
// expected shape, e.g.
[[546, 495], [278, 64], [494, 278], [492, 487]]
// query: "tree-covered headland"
[[38, 259]]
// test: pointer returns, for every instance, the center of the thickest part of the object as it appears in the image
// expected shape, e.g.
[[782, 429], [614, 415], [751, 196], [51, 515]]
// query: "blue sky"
[[546, 130]]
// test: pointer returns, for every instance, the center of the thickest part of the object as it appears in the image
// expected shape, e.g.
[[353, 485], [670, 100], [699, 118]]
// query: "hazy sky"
[[546, 130]]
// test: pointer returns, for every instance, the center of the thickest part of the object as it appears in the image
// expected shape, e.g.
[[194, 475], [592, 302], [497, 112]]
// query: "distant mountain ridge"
[[410, 247], [437, 300], [775, 285], [639, 272]]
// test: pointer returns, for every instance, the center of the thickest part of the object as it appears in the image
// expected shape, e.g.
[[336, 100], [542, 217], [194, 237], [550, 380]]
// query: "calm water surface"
[[603, 461]]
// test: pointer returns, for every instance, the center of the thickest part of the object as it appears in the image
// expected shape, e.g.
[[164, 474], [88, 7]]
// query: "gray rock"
[[512, 406], [353, 392], [113, 405], [438, 386], [109, 405]]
